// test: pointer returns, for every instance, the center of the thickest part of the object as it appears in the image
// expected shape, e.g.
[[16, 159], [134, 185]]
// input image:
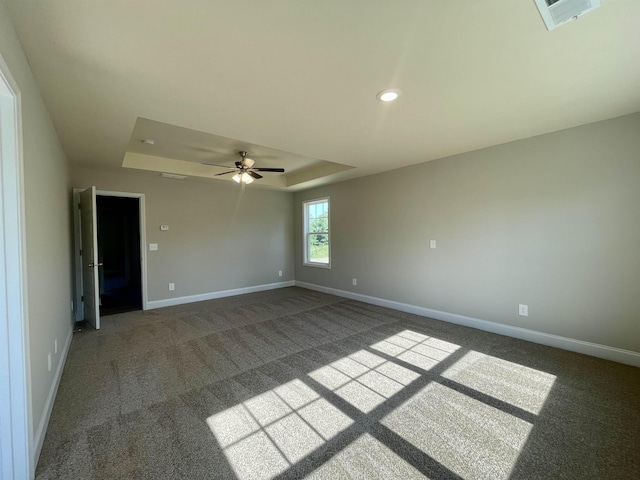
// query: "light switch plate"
[[432, 244], [153, 247]]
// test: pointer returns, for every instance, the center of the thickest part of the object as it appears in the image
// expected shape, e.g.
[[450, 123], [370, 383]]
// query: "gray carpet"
[[296, 384]]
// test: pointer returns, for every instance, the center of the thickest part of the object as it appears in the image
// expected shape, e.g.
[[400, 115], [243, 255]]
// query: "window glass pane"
[[319, 248], [319, 217]]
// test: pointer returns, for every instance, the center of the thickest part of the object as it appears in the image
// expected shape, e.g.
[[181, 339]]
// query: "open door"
[[90, 265]]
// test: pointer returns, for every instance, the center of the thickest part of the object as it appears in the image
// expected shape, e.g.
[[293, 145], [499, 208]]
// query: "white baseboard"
[[40, 433], [594, 349], [170, 302]]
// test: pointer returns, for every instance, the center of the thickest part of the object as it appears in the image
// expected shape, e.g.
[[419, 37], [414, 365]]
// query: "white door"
[[89, 235]]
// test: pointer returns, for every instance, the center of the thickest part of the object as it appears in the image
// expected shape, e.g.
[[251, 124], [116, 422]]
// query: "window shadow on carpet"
[[406, 406]]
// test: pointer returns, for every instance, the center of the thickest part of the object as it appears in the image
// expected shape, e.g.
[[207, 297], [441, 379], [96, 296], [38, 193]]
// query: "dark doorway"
[[119, 252]]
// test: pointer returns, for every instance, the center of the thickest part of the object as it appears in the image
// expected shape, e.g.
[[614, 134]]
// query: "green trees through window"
[[317, 232]]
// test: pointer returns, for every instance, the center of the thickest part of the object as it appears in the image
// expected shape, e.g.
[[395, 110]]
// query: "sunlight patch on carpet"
[[466, 435], [267, 434], [364, 379], [271, 432], [470, 438], [263, 436], [256, 457], [365, 458], [520, 386], [416, 349]]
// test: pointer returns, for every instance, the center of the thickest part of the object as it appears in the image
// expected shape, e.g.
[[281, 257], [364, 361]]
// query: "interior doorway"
[[119, 261], [120, 275]]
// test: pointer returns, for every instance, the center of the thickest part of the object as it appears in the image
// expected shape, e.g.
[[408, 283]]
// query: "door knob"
[[96, 264]]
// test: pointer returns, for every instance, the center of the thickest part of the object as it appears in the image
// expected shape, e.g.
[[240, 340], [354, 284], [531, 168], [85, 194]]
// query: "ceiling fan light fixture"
[[246, 178], [236, 178], [388, 95]]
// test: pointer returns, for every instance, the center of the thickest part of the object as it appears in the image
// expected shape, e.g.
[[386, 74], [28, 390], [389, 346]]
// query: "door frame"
[[78, 311], [16, 440]]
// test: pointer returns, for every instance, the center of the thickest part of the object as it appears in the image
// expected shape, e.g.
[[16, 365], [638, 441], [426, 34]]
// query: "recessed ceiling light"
[[388, 95], [148, 141]]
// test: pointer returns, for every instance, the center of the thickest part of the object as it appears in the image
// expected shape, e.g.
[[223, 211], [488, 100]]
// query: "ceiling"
[[188, 152], [296, 81]]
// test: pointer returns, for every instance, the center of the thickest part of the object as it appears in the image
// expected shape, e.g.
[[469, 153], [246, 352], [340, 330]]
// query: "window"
[[317, 250]]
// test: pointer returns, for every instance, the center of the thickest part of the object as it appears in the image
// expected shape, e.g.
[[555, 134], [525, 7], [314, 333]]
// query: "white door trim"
[[78, 312], [143, 236], [16, 437]]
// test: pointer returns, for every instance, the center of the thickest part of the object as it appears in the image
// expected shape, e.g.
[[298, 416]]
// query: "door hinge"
[[80, 252], [82, 298], [79, 206]]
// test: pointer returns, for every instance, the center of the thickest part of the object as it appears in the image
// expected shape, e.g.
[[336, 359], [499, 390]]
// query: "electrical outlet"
[[49, 361], [354, 281], [55, 346], [172, 287], [153, 247], [279, 273], [164, 228], [523, 310]]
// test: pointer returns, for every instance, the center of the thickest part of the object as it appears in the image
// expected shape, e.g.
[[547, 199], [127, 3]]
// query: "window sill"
[[317, 265]]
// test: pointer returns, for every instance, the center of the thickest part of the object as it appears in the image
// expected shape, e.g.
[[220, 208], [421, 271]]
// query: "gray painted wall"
[[551, 221], [47, 225], [220, 236]]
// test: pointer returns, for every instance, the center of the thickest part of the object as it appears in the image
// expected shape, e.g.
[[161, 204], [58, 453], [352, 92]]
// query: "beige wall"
[[220, 236], [47, 225], [551, 221]]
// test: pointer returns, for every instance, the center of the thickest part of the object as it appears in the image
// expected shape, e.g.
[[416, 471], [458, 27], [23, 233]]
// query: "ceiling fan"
[[245, 172]]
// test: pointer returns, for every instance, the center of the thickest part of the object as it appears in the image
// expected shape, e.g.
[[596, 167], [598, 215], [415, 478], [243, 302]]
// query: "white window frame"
[[305, 233]]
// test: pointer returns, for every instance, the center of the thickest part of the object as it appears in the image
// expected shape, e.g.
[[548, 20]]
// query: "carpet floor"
[[293, 383]]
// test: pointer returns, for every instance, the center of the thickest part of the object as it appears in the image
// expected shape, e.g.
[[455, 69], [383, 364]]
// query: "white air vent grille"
[[173, 175], [557, 12]]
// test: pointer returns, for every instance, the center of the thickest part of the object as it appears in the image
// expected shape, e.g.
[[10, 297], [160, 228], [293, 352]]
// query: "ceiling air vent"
[[173, 175], [558, 12]]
